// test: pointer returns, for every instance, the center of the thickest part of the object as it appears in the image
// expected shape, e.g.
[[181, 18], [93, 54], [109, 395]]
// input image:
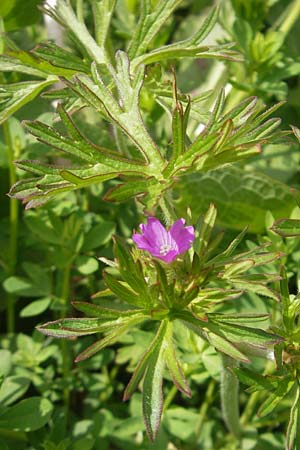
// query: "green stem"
[[249, 409], [13, 228], [230, 396], [209, 396], [170, 397]]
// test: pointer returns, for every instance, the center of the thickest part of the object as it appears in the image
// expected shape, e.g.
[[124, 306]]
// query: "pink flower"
[[163, 244]]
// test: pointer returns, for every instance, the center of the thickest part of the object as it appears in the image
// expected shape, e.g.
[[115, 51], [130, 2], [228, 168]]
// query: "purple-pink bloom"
[[163, 244]]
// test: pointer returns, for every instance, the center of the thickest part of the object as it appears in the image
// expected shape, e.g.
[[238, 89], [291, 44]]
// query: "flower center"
[[165, 248]]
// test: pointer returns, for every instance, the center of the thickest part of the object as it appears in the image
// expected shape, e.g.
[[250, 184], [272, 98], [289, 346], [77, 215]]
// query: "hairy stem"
[[13, 227], [230, 396]]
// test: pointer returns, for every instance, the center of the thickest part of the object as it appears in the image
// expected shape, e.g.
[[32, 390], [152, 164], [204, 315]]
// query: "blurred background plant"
[[50, 254]]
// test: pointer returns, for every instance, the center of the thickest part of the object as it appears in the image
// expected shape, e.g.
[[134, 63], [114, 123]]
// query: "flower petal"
[[142, 242], [169, 257], [183, 236], [155, 233]]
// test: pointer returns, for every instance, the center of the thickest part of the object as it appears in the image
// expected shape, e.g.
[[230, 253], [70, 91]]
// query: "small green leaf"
[[22, 15], [98, 235], [86, 264], [35, 308], [13, 388], [23, 287], [28, 415]]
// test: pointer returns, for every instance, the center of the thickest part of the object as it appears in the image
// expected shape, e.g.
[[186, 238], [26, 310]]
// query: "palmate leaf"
[[80, 147], [116, 330], [123, 110], [228, 137], [100, 164], [37, 191], [215, 339], [241, 333]]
